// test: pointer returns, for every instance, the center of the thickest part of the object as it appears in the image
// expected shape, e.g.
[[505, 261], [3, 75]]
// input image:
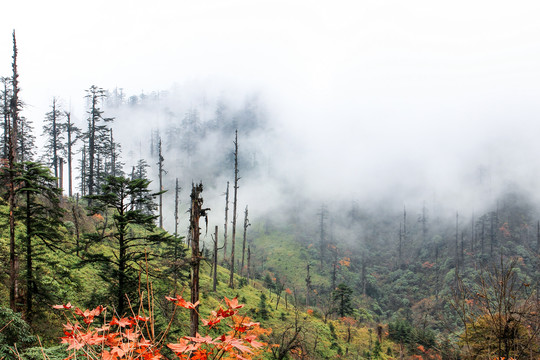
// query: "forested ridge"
[[113, 215]]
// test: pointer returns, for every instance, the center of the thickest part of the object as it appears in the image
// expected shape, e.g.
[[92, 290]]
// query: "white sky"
[[411, 90]]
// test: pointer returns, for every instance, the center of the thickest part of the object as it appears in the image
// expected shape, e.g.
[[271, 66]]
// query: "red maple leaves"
[[124, 337]]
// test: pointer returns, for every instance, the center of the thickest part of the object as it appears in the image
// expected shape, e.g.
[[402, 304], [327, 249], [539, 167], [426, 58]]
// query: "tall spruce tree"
[[96, 137], [14, 106], [73, 134], [42, 215], [53, 130], [131, 233]]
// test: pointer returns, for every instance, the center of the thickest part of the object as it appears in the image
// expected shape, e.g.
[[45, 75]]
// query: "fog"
[[363, 101]]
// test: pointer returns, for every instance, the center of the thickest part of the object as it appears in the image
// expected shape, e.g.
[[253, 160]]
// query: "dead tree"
[[322, 244], [246, 224], [176, 249], [457, 244], [73, 134], [248, 271], [214, 263], [231, 278], [195, 214], [160, 173], [226, 223]]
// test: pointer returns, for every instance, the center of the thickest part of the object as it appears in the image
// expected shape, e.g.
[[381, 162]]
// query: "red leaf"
[[233, 304], [62, 307], [180, 301], [123, 322], [183, 346]]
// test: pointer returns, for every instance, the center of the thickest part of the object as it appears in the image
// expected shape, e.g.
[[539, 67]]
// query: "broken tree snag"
[[195, 214], [246, 224], [214, 263], [225, 226], [231, 278], [248, 273]]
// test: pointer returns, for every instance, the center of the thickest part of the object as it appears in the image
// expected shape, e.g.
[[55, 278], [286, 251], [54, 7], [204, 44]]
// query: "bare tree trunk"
[[246, 224], [322, 242], [54, 139], [29, 265], [248, 272], [308, 286], [176, 202], [231, 278], [226, 223], [214, 264], [196, 212], [69, 144], [160, 164], [61, 174], [76, 223]]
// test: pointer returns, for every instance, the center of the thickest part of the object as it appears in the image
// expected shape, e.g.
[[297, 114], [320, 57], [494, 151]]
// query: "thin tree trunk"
[[69, 144], [248, 272], [29, 275], [214, 264], [246, 224], [231, 278], [308, 285], [322, 242], [54, 139], [61, 175], [160, 164], [226, 223], [76, 223]]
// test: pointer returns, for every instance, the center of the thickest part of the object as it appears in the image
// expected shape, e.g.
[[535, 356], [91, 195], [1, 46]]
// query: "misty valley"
[[184, 224]]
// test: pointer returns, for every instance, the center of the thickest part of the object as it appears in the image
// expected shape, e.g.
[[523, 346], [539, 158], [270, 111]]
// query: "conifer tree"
[[5, 96], [96, 136], [73, 134], [42, 215], [54, 134], [14, 106], [127, 245], [25, 140]]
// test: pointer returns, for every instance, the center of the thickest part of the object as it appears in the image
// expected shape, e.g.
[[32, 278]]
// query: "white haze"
[[368, 100]]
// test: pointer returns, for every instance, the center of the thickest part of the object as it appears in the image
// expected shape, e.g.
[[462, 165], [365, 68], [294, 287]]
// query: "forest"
[[137, 243]]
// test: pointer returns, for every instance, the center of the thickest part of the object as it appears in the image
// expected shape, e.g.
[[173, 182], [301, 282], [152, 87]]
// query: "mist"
[[373, 102]]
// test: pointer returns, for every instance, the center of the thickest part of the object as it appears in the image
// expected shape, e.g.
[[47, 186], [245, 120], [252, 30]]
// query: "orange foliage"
[[125, 338], [288, 291], [345, 262], [98, 217]]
